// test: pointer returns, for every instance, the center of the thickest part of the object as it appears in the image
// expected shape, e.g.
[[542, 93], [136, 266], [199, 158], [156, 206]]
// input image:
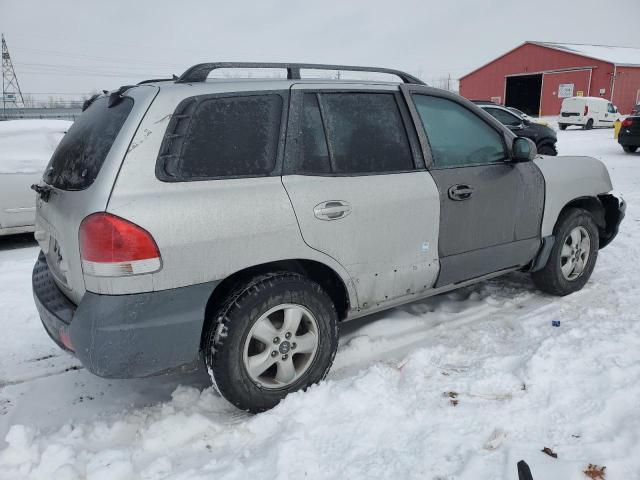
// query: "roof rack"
[[200, 72]]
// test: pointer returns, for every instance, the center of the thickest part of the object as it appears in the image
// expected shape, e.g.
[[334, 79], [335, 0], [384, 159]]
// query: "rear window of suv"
[[76, 162]]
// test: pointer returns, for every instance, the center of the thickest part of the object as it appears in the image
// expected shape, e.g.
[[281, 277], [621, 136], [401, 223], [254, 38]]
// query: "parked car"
[[629, 135], [587, 112], [544, 137], [527, 117], [25, 149], [238, 222]]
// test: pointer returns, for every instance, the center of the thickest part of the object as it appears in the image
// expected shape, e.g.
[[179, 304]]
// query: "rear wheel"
[[275, 335], [573, 255], [563, 126], [629, 149], [589, 124]]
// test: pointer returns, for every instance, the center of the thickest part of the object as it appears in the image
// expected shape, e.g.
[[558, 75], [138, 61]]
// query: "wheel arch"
[[317, 271], [605, 210]]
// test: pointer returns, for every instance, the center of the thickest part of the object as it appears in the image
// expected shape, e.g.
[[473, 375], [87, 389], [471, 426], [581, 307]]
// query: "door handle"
[[461, 192], [332, 210]]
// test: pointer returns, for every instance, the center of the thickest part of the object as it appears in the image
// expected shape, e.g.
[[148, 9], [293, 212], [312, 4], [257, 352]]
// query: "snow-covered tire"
[[589, 124], [233, 338], [563, 126], [551, 279], [630, 149]]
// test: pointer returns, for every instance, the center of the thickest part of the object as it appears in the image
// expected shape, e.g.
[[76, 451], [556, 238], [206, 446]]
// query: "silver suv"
[[240, 221]]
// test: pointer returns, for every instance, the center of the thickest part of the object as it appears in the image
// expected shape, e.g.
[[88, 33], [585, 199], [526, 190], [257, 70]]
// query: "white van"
[[588, 112]]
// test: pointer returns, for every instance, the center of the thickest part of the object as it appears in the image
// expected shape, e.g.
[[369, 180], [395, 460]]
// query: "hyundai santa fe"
[[239, 222]]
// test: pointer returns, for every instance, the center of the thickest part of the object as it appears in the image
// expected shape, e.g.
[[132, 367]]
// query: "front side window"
[[230, 136], [457, 136], [366, 133], [503, 117], [610, 108]]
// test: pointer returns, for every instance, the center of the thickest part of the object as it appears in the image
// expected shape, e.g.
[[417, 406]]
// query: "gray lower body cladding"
[[124, 336]]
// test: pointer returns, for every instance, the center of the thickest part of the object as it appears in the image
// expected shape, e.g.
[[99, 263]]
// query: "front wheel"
[[629, 149], [274, 335], [573, 255], [547, 150], [563, 126], [589, 124]]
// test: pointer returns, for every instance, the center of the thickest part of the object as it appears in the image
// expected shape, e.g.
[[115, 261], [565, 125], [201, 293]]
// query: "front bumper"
[[124, 336], [614, 211]]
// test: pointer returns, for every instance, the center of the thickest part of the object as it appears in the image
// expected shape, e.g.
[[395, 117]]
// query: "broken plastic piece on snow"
[[524, 472], [555, 323]]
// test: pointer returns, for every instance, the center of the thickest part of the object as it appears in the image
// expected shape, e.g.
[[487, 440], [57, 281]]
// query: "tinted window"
[[366, 133], [503, 117], [231, 136], [457, 136], [314, 154], [610, 108], [76, 162]]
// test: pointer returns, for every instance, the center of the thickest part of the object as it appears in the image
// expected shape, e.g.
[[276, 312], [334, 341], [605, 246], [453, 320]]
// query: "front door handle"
[[461, 192], [332, 210]]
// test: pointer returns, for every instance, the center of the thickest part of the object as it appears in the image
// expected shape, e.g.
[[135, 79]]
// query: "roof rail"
[[154, 80], [200, 72]]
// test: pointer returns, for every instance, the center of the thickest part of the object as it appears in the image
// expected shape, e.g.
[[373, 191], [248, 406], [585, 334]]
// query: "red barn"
[[535, 76]]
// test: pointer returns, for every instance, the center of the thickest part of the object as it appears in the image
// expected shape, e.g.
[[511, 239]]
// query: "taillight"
[[627, 122], [111, 246], [586, 110]]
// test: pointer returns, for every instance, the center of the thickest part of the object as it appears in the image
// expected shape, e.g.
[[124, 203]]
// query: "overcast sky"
[[64, 46]]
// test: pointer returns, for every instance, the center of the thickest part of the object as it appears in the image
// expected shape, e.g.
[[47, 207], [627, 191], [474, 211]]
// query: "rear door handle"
[[461, 192], [332, 210]]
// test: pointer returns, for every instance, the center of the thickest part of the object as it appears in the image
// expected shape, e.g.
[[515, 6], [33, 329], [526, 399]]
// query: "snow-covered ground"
[[26, 145], [462, 385]]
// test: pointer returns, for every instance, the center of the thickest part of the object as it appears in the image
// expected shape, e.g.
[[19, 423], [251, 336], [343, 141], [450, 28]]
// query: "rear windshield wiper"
[[43, 190]]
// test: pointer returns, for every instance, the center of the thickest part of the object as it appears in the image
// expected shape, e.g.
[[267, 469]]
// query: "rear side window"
[[76, 162], [366, 133], [457, 136], [314, 152], [229, 136]]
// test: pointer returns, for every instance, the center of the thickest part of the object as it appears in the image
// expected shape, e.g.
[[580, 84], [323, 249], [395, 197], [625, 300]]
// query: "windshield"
[[77, 161]]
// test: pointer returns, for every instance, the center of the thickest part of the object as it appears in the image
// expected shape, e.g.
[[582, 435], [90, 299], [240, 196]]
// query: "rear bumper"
[[124, 336], [629, 139]]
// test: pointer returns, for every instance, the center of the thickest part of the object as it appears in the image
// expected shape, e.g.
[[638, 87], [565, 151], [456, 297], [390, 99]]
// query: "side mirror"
[[526, 121], [524, 149]]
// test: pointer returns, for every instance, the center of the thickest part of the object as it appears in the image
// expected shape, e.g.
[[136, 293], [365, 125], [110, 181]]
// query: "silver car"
[[239, 222]]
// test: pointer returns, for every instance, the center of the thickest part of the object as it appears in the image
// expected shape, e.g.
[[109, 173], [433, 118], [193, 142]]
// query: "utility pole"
[[10, 86]]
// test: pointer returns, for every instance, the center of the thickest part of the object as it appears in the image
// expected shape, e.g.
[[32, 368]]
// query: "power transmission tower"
[[10, 86]]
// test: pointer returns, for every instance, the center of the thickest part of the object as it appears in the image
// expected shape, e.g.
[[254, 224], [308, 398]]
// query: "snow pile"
[[27, 145], [459, 386]]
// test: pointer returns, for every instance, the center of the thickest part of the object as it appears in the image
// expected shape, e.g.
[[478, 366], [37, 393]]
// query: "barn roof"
[[624, 56], [621, 56]]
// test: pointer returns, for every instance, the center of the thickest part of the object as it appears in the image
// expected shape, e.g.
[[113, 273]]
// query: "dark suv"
[[544, 137], [629, 136]]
